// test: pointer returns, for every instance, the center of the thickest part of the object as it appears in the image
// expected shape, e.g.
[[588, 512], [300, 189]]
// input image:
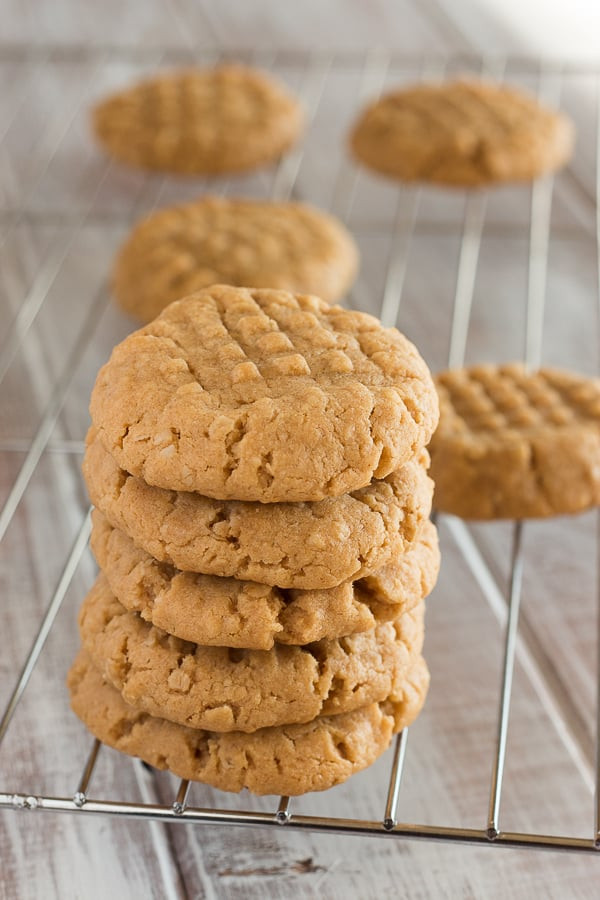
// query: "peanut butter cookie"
[[291, 545], [224, 612], [255, 243], [263, 395], [223, 689], [200, 121], [462, 133], [289, 760], [516, 444]]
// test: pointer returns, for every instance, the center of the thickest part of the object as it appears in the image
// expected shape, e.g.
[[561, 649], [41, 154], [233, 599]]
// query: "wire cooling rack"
[[408, 215]]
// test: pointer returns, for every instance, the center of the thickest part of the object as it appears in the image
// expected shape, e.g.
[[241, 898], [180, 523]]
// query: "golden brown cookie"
[[263, 395], [225, 689], [289, 760], [200, 121], [513, 444], [462, 133], [291, 545], [255, 243], [224, 612]]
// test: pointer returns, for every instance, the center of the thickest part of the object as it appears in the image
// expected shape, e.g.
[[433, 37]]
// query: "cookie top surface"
[[292, 545], [514, 444], [462, 133], [263, 395], [223, 689], [288, 760], [200, 121], [225, 612], [179, 250]]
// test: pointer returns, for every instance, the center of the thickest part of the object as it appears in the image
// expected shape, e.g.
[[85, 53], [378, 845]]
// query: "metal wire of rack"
[[316, 70]]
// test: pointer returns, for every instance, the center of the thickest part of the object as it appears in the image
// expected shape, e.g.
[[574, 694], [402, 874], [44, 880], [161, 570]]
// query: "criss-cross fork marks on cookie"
[[488, 398], [229, 118], [283, 334], [516, 444]]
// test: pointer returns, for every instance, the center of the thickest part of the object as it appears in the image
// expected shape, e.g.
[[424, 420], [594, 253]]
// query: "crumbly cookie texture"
[[516, 444], [291, 545], [200, 121], [263, 395], [462, 133], [179, 250], [224, 689], [225, 612], [288, 760]]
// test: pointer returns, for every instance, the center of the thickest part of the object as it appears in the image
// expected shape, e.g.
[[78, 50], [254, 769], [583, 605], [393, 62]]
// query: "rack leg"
[[79, 797], [391, 806], [514, 602]]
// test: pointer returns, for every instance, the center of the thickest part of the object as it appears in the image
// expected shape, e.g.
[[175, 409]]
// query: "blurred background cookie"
[[250, 243], [200, 121], [516, 444], [462, 133]]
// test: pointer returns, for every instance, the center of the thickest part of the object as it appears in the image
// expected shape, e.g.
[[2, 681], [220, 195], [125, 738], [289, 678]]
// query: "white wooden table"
[[64, 208]]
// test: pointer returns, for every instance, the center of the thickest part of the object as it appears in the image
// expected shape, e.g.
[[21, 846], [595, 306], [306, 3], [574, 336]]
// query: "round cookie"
[[179, 250], [225, 612], [462, 133], [230, 118], [263, 395], [516, 444], [288, 760], [291, 545], [223, 689]]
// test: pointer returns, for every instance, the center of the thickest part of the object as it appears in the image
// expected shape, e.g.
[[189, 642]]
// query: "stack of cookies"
[[257, 464]]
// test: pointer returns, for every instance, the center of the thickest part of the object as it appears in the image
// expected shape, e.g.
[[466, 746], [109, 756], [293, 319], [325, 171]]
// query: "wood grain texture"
[[64, 209]]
